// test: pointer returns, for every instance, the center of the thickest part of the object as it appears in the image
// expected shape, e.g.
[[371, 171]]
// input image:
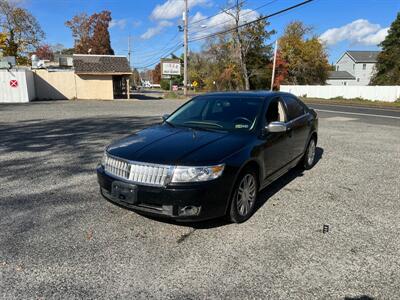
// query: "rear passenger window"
[[295, 109]]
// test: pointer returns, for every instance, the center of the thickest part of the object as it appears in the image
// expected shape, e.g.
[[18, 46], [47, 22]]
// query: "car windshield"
[[218, 113]]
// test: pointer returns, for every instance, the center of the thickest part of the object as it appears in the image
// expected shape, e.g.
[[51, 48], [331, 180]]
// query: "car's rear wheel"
[[244, 197], [309, 155]]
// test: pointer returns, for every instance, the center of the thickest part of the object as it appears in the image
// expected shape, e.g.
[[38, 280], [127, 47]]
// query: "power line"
[[168, 50], [209, 17], [251, 22], [156, 51], [246, 13], [158, 59]]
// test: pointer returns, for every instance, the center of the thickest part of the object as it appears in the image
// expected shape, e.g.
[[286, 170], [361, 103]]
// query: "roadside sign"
[[14, 83], [195, 83], [171, 67], [175, 88]]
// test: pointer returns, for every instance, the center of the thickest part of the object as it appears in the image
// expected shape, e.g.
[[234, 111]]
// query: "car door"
[[275, 146], [298, 125]]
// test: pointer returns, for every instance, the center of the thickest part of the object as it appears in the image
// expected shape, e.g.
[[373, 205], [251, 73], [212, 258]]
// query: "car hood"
[[164, 144]]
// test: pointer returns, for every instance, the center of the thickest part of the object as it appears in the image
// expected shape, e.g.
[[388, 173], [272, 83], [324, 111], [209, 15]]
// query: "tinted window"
[[295, 109], [226, 113]]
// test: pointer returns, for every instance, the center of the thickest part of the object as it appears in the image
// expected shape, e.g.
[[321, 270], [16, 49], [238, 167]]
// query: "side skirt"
[[282, 171]]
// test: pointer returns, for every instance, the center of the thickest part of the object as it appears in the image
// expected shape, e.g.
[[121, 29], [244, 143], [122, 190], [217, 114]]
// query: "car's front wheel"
[[309, 156], [244, 197]]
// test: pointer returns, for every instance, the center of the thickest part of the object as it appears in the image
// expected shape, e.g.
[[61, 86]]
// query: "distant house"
[[110, 70], [354, 68], [83, 76]]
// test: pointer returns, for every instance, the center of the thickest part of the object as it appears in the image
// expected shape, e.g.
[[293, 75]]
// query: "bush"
[[164, 83]]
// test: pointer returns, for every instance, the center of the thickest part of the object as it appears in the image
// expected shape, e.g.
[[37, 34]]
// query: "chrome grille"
[[136, 172]]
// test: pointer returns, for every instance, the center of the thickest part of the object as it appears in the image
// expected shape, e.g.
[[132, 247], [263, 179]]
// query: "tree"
[[100, 41], [156, 74], [3, 38], [45, 52], [388, 62], [281, 70], [306, 58], [22, 30], [68, 51], [91, 33], [259, 54], [251, 37]]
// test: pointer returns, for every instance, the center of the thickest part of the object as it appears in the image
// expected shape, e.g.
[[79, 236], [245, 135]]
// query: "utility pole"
[[274, 64], [129, 50], [185, 42]]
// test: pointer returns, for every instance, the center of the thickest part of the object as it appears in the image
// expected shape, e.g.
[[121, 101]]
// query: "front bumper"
[[194, 201]]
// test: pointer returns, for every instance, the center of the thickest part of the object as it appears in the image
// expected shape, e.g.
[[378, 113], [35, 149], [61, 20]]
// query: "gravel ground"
[[60, 239]]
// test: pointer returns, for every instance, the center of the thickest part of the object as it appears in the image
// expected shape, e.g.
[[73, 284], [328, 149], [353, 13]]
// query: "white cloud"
[[174, 8], [360, 32], [156, 30], [121, 23], [136, 24], [218, 22]]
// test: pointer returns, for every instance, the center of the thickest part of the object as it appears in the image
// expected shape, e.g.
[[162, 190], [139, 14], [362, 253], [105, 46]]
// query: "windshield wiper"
[[204, 123], [206, 129]]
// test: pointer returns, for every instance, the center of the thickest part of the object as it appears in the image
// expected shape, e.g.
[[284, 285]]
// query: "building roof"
[[364, 56], [340, 75], [101, 64]]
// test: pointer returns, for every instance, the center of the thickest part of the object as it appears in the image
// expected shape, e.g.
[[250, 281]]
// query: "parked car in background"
[[211, 157]]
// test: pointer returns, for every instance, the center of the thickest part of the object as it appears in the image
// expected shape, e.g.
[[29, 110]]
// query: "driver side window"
[[276, 111]]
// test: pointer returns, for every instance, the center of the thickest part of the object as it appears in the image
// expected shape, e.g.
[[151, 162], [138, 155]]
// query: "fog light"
[[189, 211]]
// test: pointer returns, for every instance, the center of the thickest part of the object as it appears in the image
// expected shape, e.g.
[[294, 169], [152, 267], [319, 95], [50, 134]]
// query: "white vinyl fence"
[[379, 93]]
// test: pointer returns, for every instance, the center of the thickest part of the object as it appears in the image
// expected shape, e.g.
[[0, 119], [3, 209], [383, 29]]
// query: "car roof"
[[263, 94]]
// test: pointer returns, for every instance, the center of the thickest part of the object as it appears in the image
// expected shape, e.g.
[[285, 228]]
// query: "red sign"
[[14, 83]]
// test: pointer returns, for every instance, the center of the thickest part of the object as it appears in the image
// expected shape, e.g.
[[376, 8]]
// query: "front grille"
[[148, 174]]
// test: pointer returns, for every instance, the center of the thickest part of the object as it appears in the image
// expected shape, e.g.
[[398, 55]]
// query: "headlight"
[[196, 174]]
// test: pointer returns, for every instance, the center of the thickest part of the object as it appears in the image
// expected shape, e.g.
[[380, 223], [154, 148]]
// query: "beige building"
[[89, 77]]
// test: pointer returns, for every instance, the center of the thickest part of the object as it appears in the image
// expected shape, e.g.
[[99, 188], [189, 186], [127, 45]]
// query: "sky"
[[153, 24]]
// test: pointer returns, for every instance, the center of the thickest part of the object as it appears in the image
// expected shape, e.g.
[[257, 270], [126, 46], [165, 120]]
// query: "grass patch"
[[353, 102], [174, 95]]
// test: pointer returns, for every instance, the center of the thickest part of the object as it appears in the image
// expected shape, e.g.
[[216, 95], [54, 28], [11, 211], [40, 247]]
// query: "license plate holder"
[[124, 192]]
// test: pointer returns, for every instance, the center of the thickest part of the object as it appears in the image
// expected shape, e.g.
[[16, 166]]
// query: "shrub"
[[164, 83]]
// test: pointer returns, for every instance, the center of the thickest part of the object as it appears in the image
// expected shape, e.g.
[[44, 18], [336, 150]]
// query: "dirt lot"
[[60, 239]]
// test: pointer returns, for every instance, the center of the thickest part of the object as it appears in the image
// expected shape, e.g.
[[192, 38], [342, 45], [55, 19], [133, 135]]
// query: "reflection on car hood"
[[163, 144]]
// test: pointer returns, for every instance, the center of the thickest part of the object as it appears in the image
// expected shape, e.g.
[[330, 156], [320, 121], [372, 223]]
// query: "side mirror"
[[276, 127], [164, 117]]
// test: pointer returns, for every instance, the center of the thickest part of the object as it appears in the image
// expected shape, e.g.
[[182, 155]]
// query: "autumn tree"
[[156, 74], [45, 52], [304, 54], [100, 40], [22, 30], [91, 33], [388, 62], [3, 38], [281, 70]]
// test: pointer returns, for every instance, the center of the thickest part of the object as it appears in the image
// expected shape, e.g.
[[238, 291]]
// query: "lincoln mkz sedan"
[[211, 157]]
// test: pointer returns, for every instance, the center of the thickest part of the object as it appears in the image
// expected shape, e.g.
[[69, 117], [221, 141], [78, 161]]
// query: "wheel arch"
[[253, 164]]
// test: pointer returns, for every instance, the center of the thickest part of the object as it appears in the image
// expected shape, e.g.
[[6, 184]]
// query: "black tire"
[[308, 160], [237, 214]]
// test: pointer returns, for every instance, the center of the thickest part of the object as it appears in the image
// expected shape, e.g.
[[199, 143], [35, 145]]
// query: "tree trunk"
[[240, 49], [242, 60]]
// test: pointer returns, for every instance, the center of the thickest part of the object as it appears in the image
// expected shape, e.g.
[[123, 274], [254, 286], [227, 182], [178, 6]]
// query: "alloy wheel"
[[311, 153], [246, 194]]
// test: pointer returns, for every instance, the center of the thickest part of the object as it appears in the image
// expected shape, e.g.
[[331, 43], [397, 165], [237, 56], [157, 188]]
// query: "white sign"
[[171, 68]]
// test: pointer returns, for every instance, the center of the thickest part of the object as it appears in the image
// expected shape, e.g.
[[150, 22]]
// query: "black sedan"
[[211, 157]]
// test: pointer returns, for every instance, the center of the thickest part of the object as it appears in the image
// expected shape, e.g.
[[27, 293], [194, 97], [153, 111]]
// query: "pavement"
[[60, 239]]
